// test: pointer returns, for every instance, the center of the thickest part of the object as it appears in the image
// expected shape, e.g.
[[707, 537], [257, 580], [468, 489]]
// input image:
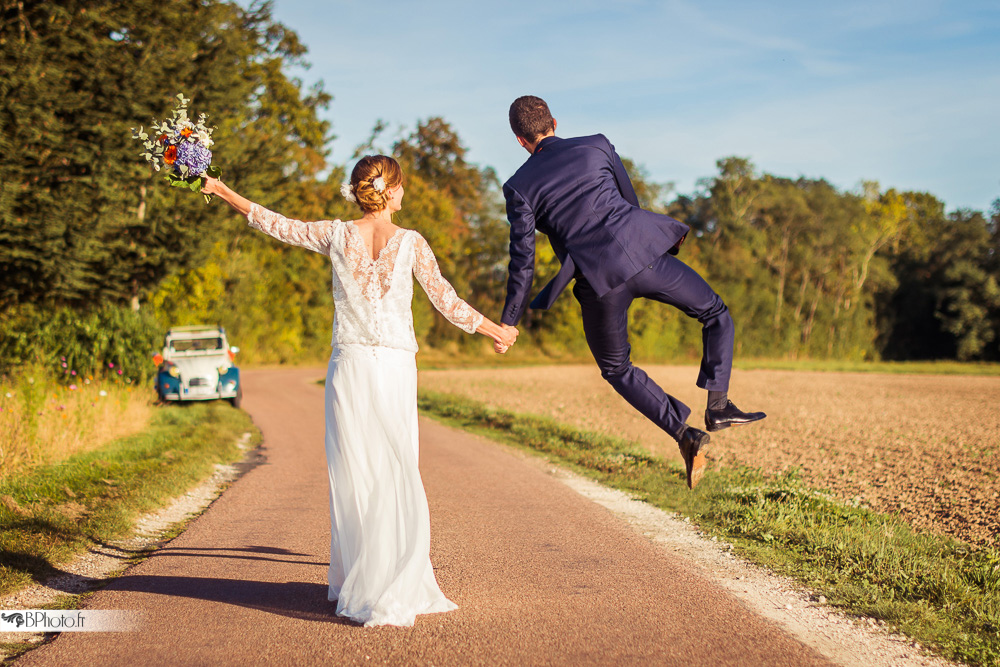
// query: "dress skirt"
[[380, 567]]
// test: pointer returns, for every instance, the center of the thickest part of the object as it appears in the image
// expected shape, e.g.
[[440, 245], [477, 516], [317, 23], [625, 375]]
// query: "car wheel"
[[237, 400]]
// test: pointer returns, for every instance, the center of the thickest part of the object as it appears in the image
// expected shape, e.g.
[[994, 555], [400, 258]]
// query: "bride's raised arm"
[[314, 236], [449, 304]]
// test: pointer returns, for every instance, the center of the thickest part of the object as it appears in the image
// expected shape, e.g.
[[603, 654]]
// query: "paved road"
[[541, 575]]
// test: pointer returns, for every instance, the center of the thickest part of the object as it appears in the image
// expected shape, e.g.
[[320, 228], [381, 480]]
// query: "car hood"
[[206, 367]]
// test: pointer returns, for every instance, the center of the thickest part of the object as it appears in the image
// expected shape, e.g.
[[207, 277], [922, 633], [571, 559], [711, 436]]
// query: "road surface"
[[541, 575]]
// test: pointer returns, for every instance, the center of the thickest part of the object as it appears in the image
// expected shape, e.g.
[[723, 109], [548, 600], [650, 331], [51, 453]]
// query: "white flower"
[[347, 193], [379, 184], [10, 395], [102, 393]]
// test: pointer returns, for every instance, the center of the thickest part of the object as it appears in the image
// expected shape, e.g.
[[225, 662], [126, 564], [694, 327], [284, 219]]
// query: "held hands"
[[504, 338], [503, 335]]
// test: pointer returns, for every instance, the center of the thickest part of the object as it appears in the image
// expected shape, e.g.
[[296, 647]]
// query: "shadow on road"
[[39, 568], [294, 599], [200, 552]]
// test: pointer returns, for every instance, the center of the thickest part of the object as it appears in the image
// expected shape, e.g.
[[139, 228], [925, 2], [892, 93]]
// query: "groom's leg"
[[605, 323], [671, 281]]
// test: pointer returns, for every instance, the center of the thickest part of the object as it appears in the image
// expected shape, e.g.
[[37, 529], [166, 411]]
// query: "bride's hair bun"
[[372, 179]]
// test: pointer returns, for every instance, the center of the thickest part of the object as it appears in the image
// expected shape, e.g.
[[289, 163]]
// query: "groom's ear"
[[524, 142]]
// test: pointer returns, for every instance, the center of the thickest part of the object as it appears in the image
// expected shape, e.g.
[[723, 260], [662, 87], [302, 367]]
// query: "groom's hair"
[[530, 118]]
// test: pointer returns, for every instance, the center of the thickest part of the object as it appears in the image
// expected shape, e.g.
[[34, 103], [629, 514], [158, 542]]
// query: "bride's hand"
[[236, 201], [499, 347], [212, 186]]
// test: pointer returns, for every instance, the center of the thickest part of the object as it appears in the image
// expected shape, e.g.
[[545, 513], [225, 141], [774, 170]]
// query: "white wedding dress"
[[380, 568]]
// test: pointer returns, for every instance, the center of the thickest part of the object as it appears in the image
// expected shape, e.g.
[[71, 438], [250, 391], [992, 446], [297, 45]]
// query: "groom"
[[576, 191]]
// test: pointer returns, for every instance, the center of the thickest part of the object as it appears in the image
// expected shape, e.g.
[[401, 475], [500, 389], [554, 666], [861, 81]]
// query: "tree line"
[[808, 270]]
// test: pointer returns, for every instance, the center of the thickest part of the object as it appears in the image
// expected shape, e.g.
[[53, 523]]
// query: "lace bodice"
[[374, 276], [372, 297]]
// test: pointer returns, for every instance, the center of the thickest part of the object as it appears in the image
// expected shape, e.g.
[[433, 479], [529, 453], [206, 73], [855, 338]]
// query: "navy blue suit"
[[577, 192]]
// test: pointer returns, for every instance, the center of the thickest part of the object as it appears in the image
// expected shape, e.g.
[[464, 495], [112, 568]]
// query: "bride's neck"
[[380, 216]]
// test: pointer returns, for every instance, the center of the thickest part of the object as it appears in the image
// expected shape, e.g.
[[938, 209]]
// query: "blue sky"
[[904, 93]]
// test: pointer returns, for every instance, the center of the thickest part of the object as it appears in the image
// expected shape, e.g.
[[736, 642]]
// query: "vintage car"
[[197, 364]]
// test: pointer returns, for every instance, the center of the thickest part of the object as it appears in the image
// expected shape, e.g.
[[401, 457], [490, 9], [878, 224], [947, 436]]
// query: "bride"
[[380, 569]]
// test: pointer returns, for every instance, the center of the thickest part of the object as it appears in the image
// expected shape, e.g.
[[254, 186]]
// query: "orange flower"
[[186, 132], [170, 155], [162, 139]]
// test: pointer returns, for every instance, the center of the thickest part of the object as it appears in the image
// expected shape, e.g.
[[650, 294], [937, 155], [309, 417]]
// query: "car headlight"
[[174, 371], [223, 370]]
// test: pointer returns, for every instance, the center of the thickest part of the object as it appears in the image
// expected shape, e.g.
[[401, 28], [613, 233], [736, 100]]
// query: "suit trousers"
[[605, 323]]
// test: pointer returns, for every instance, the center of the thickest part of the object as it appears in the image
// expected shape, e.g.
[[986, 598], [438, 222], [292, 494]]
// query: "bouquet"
[[182, 147]]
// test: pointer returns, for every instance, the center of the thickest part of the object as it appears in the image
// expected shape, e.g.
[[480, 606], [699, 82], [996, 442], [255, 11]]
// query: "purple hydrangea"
[[195, 156]]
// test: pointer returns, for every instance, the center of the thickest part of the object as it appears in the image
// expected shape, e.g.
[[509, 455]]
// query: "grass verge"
[[50, 513], [937, 590], [44, 420]]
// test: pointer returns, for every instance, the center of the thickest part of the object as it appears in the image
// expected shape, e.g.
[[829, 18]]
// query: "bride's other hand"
[[211, 186], [499, 347], [214, 186]]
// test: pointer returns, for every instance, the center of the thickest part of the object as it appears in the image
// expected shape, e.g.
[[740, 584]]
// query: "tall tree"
[[81, 219]]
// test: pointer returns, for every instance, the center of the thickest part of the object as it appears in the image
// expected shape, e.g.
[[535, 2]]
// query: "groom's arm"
[[621, 176], [628, 192], [521, 269]]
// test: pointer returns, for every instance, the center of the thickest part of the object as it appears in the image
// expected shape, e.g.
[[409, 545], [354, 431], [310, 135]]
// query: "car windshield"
[[196, 345]]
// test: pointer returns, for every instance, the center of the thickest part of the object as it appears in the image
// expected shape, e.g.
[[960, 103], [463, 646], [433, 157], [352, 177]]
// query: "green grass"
[[937, 590], [14, 650], [51, 513]]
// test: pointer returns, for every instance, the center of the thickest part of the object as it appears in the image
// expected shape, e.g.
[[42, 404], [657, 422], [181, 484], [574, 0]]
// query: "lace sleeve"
[[440, 291], [312, 235]]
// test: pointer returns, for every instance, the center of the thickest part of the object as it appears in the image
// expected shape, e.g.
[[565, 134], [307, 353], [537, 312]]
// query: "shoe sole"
[[697, 470]]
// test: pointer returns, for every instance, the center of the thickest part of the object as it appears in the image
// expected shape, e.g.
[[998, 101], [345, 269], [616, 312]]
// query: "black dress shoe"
[[716, 420], [692, 445]]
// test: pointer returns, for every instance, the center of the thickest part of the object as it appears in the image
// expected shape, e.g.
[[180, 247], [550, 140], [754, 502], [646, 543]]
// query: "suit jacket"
[[576, 191]]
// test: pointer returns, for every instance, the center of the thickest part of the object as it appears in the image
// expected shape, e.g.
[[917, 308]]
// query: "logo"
[[62, 620], [16, 619]]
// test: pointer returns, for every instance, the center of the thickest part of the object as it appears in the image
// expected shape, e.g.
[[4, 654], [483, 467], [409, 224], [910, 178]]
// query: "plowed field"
[[925, 446]]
